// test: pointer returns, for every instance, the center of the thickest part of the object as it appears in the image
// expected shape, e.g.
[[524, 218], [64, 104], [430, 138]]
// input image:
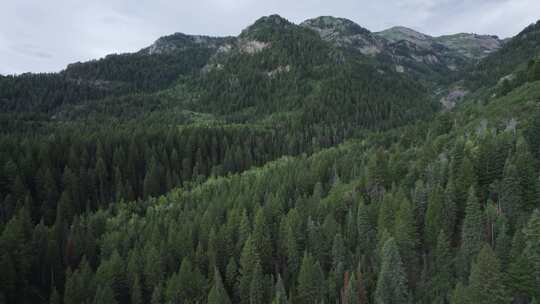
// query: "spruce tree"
[[406, 240], [366, 230], [532, 247], [248, 260], [392, 280], [136, 292], [510, 194], [310, 281], [280, 296], [472, 234], [486, 280], [434, 216], [105, 294], [218, 294], [256, 286], [442, 270], [459, 295]]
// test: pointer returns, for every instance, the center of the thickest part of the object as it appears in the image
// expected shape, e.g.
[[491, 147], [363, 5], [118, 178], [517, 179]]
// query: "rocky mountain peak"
[[181, 41], [345, 33], [265, 27], [399, 33]]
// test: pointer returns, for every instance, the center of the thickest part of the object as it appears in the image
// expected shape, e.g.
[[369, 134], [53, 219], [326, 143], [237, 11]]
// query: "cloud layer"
[[45, 36]]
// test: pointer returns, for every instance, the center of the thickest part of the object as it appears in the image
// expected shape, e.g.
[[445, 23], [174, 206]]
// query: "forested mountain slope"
[[298, 167]]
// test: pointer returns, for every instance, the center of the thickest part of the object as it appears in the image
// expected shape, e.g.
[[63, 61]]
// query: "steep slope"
[[512, 57], [432, 59], [345, 33], [291, 69]]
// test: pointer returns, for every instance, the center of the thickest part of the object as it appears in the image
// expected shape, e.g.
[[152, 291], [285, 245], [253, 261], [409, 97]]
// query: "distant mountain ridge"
[[407, 50]]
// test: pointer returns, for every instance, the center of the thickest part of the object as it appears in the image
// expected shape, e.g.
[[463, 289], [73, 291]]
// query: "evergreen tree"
[[434, 216], [366, 229], [486, 281], [472, 234], [510, 196], [310, 281], [280, 296], [406, 240], [218, 294], [231, 274], [256, 287], [392, 281], [262, 239], [459, 295], [532, 247], [442, 272], [136, 293], [248, 260], [105, 294]]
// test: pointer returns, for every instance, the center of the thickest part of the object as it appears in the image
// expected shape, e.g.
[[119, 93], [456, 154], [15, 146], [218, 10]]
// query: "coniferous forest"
[[279, 166]]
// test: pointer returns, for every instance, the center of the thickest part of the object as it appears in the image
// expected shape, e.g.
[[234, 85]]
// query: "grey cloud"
[[65, 31]]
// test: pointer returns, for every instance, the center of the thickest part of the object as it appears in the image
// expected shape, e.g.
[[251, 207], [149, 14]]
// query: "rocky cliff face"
[[345, 33], [408, 50]]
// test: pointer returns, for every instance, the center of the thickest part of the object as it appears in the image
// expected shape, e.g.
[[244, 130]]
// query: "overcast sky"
[[46, 35]]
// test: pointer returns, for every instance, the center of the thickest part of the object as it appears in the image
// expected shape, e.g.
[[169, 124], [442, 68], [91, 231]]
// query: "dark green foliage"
[[486, 282], [532, 247], [392, 280], [310, 281], [218, 294], [442, 270], [295, 172], [472, 235]]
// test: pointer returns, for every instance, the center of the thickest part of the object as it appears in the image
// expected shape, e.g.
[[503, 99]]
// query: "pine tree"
[[280, 296], [136, 293], [387, 215], [262, 240], [293, 256], [503, 242], [442, 272], [510, 196], [532, 247], [434, 216], [526, 166], [218, 294], [310, 281], [392, 281], [105, 294], [366, 229], [486, 280], [256, 287], [459, 295], [472, 234], [231, 274], [406, 240], [248, 260]]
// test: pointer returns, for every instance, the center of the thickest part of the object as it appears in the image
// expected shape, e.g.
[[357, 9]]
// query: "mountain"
[[345, 33], [307, 163], [407, 50]]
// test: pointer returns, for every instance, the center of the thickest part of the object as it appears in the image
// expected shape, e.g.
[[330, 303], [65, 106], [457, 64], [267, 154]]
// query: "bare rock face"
[[464, 45], [345, 33], [252, 46], [454, 95]]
